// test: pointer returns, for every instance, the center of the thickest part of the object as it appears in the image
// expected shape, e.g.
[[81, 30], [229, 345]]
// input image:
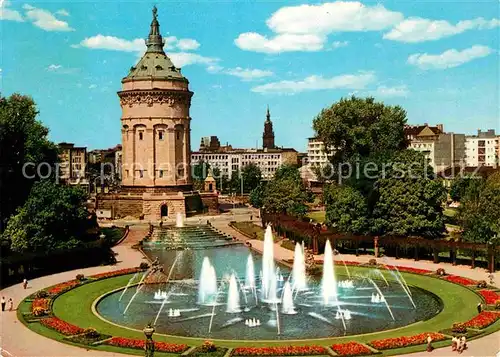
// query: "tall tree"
[[360, 127], [53, 217], [479, 212], [409, 201], [251, 177], [346, 210], [286, 193], [24, 147]]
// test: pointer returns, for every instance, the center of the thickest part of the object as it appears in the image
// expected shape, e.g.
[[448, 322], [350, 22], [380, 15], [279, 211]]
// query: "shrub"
[[482, 284], [441, 272], [91, 333], [208, 346], [80, 277], [458, 328], [144, 266], [42, 294], [372, 262]]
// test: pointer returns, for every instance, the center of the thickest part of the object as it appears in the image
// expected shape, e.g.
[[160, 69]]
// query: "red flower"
[[280, 351], [139, 344], [59, 288], [114, 273], [61, 326], [483, 320], [41, 304], [460, 280], [351, 349], [490, 296], [413, 270], [405, 341]]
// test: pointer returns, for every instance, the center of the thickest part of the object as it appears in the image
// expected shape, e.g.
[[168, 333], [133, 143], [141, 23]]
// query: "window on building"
[[160, 135], [178, 135], [140, 135], [160, 173], [141, 173], [126, 173]]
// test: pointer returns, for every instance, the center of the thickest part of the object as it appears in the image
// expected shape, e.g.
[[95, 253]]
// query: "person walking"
[[454, 343], [25, 284], [11, 304], [463, 340], [3, 303], [491, 277], [479, 308]]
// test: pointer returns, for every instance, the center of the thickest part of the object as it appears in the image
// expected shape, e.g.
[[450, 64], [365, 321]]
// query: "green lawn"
[[113, 234], [459, 305], [317, 216], [250, 229]]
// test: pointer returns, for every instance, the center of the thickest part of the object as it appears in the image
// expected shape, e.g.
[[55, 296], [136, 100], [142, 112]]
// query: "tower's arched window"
[[140, 135]]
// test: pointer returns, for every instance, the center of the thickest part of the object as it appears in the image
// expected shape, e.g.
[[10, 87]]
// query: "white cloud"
[[306, 27], [9, 14], [312, 83], [390, 92], [338, 44], [252, 41], [187, 44], [338, 16], [181, 59], [248, 74], [54, 67], [450, 58], [102, 42], [92, 86], [417, 29], [45, 19], [62, 12]]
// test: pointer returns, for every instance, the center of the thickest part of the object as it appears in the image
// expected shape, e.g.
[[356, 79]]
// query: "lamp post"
[[149, 347]]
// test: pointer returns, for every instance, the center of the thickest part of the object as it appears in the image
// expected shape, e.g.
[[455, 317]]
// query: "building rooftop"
[[154, 63]]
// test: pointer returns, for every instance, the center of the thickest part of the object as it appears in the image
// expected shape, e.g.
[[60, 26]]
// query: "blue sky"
[[437, 59]]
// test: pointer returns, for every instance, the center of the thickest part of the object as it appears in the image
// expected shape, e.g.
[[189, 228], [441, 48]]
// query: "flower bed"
[[405, 341], [43, 304], [484, 319], [460, 280], [491, 297], [111, 274], [61, 326], [351, 349], [139, 344], [413, 270], [280, 351], [59, 288]]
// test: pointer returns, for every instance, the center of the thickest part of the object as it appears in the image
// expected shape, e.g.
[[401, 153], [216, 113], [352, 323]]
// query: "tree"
[[463, 186], [53, 217], [23, 140], [346, 209], [257, 195], [479, 212], [360, 127], [409, 199], [251, 177], [286, 193]]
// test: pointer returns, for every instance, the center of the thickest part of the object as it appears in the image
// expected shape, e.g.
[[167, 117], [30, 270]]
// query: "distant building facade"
[[210, 143], [482, 149], [268, 160], [73, 164], [317, 155]]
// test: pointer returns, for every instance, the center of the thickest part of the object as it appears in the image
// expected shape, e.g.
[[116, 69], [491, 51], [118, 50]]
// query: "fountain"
[[233, 297], [288, 307], [346, 284], [128, 284], [179, 220], [382, 297], [208, 283], [299, 269], [328, 283], [268, 289], [139, 287], [250, 273]]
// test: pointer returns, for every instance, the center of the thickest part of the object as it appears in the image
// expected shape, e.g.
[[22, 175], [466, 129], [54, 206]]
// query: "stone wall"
[[211, 201], [120, 205]]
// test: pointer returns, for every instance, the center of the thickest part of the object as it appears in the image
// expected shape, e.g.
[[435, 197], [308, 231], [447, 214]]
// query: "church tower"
[[268, 135], [155, 100]]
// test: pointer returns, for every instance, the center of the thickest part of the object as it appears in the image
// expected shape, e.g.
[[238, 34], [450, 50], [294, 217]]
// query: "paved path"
[[17, 340]]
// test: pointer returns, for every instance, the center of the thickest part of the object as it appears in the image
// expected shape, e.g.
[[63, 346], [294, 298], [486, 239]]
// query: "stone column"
[[171, 154], [187, 153]]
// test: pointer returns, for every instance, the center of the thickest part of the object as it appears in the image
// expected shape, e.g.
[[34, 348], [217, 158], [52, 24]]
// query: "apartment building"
[[482, 149]]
